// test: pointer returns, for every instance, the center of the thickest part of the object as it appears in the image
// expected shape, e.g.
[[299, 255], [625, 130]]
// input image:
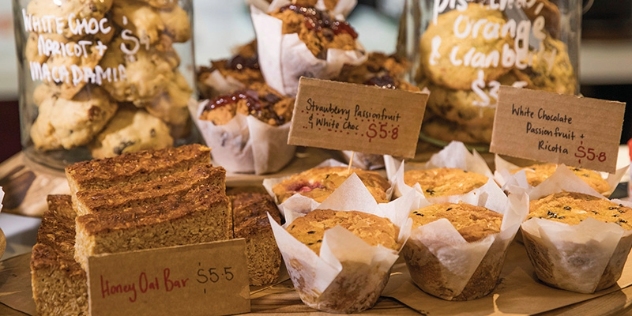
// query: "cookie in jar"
[[86, 65], [468, 49]]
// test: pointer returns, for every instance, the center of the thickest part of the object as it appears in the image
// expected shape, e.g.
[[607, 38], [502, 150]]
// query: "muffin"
[[318, 183], [437, 182], [578, 242], [258, 100], [435, 274], [362, 272], [316, 28], [242, 67], [380, 70], [374, 230], [537, 173]]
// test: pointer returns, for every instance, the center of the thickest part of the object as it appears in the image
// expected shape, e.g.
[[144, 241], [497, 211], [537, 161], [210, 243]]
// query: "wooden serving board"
[[518, 293]]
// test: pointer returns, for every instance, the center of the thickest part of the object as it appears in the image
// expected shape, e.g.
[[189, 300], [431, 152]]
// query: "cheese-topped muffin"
[[471, 221], [373, 229], [537, 173], [435, 274], [318, 183], [444, 181]]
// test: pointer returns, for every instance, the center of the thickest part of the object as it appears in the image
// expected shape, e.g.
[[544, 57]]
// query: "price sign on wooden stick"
[[556, 128], [365, 119]]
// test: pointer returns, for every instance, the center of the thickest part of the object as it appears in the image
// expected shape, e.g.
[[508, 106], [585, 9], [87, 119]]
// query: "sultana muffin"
[[360, 281], [318, 183], [317, 29], [258, 100], [577, 264], [432, 273], [374, 230], [444, 181], [537, 173]]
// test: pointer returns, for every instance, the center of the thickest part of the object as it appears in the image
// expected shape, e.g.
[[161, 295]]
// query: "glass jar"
[[99, 78], [462, 51]]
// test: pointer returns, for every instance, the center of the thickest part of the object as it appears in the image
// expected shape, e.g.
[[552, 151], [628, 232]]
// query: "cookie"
[[177, 24], [317, 29], [146, 75], [258, 100], [68, 13], [465, 106], [140, 18], [130, 130], [551, 74], [439, 45], [63, 123], [172, 106], [549, 11]]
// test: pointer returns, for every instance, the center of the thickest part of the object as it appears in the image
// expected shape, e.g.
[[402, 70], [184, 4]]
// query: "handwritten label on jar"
[[475, 47], [365, 119], [545, 126], [202, 279]]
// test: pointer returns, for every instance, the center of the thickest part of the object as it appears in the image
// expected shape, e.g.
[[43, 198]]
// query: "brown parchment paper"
[[518, 292]]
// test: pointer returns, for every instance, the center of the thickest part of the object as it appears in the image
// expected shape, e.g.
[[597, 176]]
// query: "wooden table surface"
[[279, 299]]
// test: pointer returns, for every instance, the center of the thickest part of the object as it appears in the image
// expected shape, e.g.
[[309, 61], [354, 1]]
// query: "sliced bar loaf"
[[251, 222], [59, 283]]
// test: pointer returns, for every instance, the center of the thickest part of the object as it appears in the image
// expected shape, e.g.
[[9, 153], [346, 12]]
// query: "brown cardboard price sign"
[[366, 119], [545, 126], [202, 279]]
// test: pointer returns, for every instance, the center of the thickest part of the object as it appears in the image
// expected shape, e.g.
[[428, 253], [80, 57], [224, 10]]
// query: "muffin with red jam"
[[257, 100], [316, 28]]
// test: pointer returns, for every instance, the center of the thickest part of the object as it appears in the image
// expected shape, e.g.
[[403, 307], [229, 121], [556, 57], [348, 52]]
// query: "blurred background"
[[220, 25]]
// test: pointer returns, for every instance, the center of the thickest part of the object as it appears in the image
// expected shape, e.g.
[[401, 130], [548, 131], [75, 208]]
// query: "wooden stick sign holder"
[[367, 119]]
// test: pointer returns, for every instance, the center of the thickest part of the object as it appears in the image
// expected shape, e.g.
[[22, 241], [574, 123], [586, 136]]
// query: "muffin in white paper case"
[[444, 264], [245, 144], [348, 275], [583, 258], [455, 155], [303, 204], [284, 58], [505, 175]]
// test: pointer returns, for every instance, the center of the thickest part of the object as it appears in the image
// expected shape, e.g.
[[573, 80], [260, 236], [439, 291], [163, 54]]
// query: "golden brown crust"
[[56, 237], [318, 183], [373, 229], [572, 208], [250, 214], [153, 191], [200, 199], [444, 181], [137, 167], [58, 282], [471, 221], [250, 218], [537, 173]]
